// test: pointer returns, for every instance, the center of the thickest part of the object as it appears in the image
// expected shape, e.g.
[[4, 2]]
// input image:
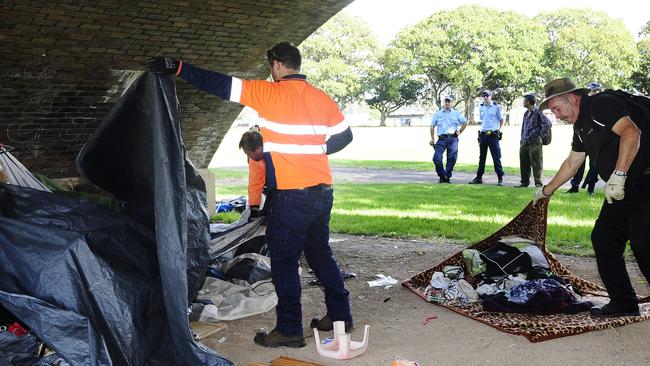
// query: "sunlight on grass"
[[454, 213]]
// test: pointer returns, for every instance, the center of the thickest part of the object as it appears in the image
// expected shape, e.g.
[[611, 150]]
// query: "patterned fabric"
[[531, 224]]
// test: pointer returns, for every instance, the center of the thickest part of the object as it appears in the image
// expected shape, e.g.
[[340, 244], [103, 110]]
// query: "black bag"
[[503, 259], [546, 135]]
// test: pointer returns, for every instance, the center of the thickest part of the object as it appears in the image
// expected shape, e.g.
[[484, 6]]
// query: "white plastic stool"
[[342, 347]]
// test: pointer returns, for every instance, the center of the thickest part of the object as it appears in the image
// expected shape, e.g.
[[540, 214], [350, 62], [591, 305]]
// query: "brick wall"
[[63, 64]]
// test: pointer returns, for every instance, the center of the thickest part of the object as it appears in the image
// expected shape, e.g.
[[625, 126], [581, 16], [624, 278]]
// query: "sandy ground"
[[396, 316]]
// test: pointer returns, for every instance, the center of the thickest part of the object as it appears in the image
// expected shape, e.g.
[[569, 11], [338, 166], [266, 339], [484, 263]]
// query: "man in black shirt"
[[609, 130]]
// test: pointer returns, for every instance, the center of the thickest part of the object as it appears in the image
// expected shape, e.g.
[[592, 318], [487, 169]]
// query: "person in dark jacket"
[[608, 129]]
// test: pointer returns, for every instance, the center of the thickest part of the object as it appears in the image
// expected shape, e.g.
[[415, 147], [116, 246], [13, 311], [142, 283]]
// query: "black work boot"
[[477, 180], [275, 339], [325, 324], [612, 311], [573, 189], [500, 181]]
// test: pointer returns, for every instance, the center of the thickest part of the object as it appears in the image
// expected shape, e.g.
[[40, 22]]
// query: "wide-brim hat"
[[558, 87]]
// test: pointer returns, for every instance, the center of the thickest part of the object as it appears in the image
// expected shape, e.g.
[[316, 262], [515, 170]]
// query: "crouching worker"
[[296, 119], [251, 144]]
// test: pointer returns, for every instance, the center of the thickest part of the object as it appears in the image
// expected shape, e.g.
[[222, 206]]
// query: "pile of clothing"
[[511, 276]]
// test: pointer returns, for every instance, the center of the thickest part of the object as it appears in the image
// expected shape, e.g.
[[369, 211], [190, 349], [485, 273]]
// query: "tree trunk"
[[382, 120]]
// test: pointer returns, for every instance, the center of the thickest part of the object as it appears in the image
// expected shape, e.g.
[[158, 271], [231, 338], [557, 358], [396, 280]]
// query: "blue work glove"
[[163, 65]]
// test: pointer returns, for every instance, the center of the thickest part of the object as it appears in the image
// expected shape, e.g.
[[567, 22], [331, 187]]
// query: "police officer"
[[608, 129], [488, 137], [450, 124]]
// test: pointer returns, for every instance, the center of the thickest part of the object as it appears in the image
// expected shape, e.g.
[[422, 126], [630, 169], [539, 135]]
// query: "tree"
[[337, 57], [588, 45], [470, 48], [390, 86], [641, 77]]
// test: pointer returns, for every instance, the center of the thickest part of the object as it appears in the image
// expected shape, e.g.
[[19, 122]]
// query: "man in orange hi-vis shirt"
[[296, 120], [251, 143]]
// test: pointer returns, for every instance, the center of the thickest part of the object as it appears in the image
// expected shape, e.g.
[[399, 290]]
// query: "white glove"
[[539, 194], [615, 188]]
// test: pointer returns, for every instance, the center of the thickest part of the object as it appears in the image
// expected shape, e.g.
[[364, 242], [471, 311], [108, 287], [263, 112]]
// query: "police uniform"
[[488, 138], [629, 218], [448, 123]]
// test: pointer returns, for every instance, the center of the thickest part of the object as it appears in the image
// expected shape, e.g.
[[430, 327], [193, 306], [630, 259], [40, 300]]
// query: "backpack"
[[640, 103], [545, 134]]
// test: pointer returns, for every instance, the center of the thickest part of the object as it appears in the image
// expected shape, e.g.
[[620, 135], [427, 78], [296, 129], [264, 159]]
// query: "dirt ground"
[[396, 316]]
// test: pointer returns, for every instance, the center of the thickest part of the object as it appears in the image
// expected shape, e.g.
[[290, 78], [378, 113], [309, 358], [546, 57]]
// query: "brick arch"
[[63, 64]]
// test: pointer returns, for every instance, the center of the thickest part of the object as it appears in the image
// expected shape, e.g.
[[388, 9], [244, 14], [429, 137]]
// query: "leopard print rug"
[[531, 224]]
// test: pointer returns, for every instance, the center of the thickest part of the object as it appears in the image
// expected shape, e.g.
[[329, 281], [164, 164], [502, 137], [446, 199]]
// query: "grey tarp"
[[103, 288]]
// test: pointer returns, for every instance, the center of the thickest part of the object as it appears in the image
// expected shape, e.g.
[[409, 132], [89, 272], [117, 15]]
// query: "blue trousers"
[[299, 221], [451, 145], [492, 142], [592, 175]]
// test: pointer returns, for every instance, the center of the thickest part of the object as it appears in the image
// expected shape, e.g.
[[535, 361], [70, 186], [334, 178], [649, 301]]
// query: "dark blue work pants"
[[449, 143], [299, 221], [490, 141]]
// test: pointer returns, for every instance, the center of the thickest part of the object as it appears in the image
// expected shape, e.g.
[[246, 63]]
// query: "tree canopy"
[[337, 56], [463, 51], [587, 45]]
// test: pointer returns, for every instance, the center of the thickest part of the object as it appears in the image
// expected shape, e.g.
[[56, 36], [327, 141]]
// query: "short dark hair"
[[250, 140], [286, 53], [530, 98]]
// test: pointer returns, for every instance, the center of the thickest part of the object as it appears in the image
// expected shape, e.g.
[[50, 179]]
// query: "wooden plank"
[[286, 361]]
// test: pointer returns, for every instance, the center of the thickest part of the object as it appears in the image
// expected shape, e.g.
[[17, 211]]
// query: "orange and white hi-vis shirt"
[[296, 119], [256, 180]]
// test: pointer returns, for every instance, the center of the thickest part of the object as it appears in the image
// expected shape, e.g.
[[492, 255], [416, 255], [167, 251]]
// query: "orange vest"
[[296, 118]]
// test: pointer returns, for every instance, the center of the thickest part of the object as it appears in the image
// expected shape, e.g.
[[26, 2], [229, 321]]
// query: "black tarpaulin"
[[106, 288]]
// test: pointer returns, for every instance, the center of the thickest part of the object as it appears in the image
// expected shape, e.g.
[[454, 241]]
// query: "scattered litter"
[[386, 299], [344, 274], [386, 281], [402, 362], [429, 318], [222, 339]]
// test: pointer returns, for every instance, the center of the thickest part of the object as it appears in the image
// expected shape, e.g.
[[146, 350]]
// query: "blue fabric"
[[491, 142], [451, 145], [211, 82], [299, 221], [490, 117], [522, 293], [447, 121]]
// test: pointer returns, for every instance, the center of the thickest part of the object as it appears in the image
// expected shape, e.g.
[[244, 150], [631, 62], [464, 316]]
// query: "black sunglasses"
[[485, 95], [272, 56]]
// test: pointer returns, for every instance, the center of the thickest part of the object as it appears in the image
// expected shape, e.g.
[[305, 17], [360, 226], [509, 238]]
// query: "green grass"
[[455, 212], [421, 165], [225, 217], [225, 173]]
